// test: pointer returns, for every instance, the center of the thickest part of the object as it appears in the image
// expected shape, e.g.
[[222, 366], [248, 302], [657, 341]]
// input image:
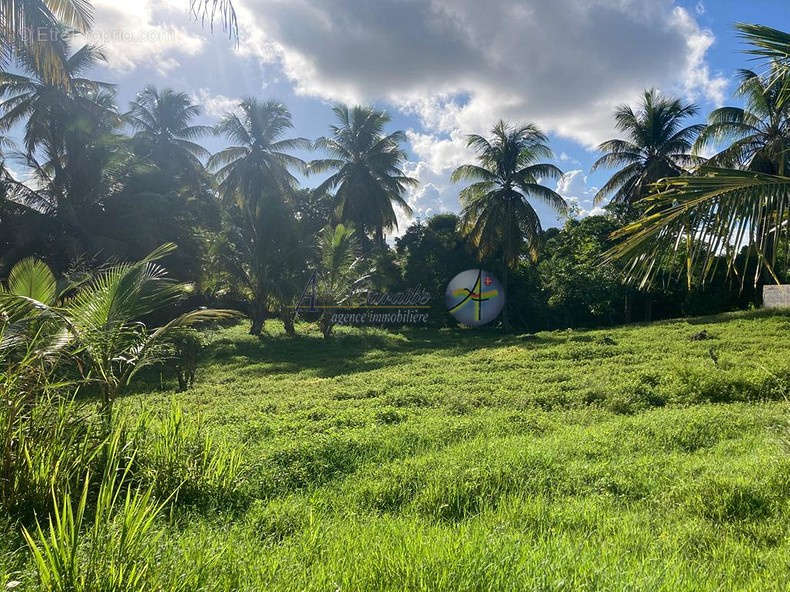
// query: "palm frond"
[[720, 212]]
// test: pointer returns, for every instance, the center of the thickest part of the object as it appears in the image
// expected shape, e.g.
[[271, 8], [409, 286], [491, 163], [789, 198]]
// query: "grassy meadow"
[[652, 457]]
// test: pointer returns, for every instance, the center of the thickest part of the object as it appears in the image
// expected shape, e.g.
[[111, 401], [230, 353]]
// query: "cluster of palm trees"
[[94, 190], [734, 205]]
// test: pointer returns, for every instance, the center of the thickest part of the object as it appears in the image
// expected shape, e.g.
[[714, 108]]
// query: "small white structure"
[[776, 296]]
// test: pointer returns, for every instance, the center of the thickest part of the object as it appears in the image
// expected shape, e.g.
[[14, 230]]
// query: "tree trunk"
[[287, 317], [109, 393], [325, 324], [506, 251], [257, 318], [505, 317]]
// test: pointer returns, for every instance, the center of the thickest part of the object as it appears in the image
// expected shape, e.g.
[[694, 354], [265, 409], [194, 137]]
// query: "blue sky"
[[442, 68]]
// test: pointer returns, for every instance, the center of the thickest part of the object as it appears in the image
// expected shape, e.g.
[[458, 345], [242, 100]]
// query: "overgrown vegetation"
[[639, 457], [432, 459]]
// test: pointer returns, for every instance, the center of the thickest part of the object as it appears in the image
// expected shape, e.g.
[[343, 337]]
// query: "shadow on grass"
[[760, 313], [361, 351]]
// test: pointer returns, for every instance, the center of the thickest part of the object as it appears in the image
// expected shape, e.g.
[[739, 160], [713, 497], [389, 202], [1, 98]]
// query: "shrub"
[[181, 350]]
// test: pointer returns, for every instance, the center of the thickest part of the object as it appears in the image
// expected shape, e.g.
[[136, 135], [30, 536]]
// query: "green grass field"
[[633, 458]]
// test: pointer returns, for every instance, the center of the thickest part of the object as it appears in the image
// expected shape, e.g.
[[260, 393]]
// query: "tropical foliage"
[[164, 130], [260, 247], [719, 212], [498, 217], [658, 146], [340, 274], [368, 179], [87, 307], [102, 321]]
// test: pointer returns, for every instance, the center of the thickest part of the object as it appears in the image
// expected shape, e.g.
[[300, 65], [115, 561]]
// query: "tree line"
[[103, 185]]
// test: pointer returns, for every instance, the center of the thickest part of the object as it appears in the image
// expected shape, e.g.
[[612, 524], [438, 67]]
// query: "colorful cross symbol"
[[488, 281]]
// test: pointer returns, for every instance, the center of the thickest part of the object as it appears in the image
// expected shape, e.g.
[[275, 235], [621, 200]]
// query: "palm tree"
[[771, 45], [657, 147], [35, 27], [722, 211], [69, 141], [259, 162], [257, 186], [497, 215], [164, 131], [52, 110], [760, 131], [368, 178], [103, 320], [341, 272]]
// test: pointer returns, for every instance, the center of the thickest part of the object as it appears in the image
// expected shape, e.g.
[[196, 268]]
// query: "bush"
[[181, 350]]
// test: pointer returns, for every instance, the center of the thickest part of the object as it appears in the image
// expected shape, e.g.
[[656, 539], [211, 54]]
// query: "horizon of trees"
[[105, 186]]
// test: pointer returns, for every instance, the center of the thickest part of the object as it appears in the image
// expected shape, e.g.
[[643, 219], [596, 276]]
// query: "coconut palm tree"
[[162, 120], [35, 27], [257, 186], [658, 146], [70, 145], [341, 272], [103, 321], [718, 212], [760, 132], [51, 110], [259, 162], [773, 46], [497, 216], [368, 178]]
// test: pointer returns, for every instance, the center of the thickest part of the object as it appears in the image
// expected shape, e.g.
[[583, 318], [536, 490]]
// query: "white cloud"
[[215, 105], [699, 8], [143, 33], [573, 186], [458, 65], [564, 157], [698, 82], [462, 64], [440, 154]]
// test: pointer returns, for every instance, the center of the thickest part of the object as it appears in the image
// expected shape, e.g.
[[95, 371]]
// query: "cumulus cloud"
[[143, 32], [457, 65], [462, 64], [215, 105], [574, 187]]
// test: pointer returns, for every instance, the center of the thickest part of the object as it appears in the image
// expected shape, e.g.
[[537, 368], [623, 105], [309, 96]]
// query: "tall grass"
[[46, 438], [178, 455], [111, 552]]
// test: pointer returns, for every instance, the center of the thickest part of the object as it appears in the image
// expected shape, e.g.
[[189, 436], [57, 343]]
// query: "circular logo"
[[474, 297]]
